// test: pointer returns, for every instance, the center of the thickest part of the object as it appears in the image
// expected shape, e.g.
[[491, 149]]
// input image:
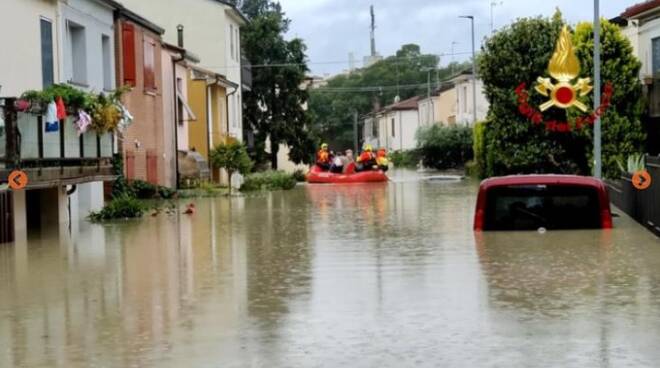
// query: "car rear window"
[[542, 206]]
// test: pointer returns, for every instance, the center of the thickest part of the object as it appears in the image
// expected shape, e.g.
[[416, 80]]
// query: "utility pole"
[[355, 131], [428, 97], [451, 69], [474, 71], [598, 165], [493, 4], [373, 32]]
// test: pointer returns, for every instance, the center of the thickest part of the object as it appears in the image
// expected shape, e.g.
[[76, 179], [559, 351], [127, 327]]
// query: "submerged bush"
[[269, 180], [405, 159], [444, 147], [119, 208], [300, 175]]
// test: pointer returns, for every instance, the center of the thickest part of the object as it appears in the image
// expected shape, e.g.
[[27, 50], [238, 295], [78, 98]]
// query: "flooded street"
[[384, 275]]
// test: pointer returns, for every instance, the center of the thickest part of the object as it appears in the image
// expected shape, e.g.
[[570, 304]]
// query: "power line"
[[284, 65]]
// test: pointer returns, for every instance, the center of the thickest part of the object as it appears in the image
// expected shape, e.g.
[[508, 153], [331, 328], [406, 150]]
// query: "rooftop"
[[640, 8]]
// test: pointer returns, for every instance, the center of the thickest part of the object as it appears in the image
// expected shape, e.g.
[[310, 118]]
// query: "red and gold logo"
[[564, 89]]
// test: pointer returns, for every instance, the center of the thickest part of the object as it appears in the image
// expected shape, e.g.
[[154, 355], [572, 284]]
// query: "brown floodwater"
[[384, 275]]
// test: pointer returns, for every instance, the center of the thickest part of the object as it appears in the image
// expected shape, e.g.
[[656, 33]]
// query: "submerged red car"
[[552, 202]]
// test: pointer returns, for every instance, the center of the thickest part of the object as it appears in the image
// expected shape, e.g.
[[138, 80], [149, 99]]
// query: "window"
[[78, 53], [552, 207], [107, 62], [465, 104], [47, 73], [235, 109], [393, 129], [149, 64], [656, 55], [231, 39], [238, 44], [128, 51]]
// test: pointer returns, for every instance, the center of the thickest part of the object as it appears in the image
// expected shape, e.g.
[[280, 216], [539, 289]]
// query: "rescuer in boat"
[[323, 158], [367, 160], [381, 160]]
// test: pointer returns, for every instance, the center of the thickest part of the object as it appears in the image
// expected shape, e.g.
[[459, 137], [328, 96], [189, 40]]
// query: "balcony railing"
[[51, 158]]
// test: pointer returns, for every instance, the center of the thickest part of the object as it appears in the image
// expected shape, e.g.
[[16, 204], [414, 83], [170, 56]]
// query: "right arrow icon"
[[641, 180]]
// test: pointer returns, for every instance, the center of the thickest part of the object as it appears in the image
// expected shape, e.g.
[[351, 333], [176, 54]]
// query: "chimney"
[[179, 30], [376, 105]]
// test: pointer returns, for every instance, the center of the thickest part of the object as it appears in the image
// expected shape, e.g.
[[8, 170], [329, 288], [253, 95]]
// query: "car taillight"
[[606, 219], [479, 220]]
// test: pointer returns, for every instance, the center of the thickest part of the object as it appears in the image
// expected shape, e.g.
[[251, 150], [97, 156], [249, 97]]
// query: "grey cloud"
[[332, 29]]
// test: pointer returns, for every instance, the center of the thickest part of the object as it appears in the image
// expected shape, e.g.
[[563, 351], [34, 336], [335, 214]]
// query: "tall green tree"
[[520, 54], [332, 107], [274, 107]]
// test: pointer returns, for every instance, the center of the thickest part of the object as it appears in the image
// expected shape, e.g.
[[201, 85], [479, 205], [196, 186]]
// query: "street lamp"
[[598, 165], [474, 71]]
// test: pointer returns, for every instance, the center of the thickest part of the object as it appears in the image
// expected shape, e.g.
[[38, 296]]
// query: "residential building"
[[463, 85], [398, 124], [447, 104], [177, 64], [209, 96], [640, 23], [147, 144], [54, 42], [212, 29]]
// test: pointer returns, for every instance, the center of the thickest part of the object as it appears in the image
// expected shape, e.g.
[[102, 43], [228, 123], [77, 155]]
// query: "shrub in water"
[[300, 175], [144, 190], [405, 159], [119, 208], [445, 147], [269, 180]]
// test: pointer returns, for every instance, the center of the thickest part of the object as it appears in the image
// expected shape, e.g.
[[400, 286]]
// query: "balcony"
[[51, 159]]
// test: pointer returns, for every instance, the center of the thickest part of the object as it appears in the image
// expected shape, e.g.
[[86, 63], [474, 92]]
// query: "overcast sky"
[[334, 28]]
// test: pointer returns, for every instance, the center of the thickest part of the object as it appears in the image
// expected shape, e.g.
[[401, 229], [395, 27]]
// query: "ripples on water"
[[384, 275]]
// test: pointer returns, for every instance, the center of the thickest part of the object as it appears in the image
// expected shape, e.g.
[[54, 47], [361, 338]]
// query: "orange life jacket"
[[366, 157], [323, 157]]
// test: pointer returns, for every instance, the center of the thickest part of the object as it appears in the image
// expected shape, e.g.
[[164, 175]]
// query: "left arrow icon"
[[18, 180]]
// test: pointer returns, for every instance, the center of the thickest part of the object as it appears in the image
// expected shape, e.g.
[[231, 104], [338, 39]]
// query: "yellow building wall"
[[198, 130], [447, 107], [219, 117]]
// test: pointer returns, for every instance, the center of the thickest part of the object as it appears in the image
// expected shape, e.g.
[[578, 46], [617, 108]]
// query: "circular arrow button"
[[18, 180], [641, 180]]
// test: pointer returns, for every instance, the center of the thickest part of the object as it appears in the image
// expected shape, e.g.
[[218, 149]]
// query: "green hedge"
[[443, 147], [405, 159], [268, 180], [119, 208], [478, 166]]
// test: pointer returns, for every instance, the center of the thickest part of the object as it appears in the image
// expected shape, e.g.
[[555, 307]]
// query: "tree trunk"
[[230, 173], [274, 150]]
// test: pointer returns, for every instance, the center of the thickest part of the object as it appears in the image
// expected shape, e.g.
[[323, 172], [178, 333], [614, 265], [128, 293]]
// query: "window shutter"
[[149, 64], [128, 48]]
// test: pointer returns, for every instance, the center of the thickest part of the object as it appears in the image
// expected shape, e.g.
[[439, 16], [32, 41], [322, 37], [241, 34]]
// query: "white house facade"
[[463, 85], [398, 124], [641, 25]]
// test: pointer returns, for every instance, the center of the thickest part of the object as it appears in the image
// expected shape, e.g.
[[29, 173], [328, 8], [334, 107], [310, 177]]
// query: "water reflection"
[[384, 275]]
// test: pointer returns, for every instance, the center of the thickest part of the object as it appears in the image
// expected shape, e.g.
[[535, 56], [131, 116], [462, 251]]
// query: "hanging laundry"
[[61, 109], [126, 117], [83, 122], [52, 123]]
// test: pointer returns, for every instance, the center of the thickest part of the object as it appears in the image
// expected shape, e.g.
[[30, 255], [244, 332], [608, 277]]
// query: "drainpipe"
[[227, 104], [176, 61]]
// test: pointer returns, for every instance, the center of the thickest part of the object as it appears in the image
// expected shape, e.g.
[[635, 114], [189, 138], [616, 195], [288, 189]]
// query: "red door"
[[152, 167], [130, 165]]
